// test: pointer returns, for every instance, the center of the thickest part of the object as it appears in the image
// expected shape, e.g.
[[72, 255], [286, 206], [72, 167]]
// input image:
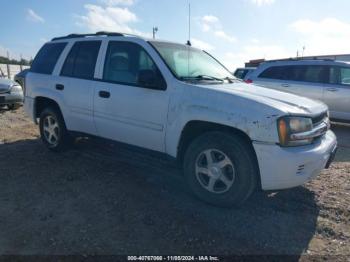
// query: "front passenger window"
[[339, 75], [345, 76], [128, 63]]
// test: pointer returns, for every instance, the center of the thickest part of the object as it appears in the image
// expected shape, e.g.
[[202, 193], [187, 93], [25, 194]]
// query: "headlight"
[[289, 126], [16, 89]]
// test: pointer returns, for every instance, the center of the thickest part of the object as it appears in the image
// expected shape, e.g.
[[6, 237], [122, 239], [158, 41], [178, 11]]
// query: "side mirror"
[[149, 79]]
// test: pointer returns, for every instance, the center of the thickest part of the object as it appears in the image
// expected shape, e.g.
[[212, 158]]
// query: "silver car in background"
[[11, 94], [324, 80]]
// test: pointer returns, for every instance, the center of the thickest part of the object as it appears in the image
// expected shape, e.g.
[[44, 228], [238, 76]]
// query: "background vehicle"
[[20, 77], [241, 73], [324, 80], [11, 94], [180, 101]]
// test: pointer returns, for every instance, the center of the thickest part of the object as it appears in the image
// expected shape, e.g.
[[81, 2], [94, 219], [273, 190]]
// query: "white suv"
[[175, 99], [324, 80]]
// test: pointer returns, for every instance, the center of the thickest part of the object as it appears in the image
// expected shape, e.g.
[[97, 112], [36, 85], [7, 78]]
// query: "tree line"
[[5, 60]]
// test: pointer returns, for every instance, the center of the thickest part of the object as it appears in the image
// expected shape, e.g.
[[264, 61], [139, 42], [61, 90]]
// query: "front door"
[[124, 109], [337, 93]]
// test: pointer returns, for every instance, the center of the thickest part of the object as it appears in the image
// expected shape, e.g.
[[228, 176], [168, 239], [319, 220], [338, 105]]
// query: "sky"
[[234, 31]]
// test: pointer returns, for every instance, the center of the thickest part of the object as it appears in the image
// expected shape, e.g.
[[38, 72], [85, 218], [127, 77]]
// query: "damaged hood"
[[285, 102]]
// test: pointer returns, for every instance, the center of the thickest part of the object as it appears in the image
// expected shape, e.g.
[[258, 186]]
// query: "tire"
[[13, 106], [53, 130], [233, 162]]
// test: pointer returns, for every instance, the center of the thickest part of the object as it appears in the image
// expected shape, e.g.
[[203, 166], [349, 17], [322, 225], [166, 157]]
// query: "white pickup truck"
[[230, 137]]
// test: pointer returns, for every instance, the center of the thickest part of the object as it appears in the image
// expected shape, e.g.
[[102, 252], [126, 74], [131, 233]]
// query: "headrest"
[[119, 63]]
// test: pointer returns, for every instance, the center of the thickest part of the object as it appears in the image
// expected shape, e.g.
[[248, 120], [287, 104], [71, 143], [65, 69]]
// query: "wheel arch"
[[194, 129], [41, 102]]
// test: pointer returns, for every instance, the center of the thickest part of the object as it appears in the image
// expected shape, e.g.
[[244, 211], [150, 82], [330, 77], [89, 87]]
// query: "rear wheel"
[[221, 169], [53, 130]]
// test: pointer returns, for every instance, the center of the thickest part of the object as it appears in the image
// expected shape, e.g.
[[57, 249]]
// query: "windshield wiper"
[[202, 77], [232, 79]]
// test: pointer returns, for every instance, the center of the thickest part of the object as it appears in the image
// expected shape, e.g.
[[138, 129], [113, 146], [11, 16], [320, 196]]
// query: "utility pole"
[[303, 51], [20, 63], [155, 30]]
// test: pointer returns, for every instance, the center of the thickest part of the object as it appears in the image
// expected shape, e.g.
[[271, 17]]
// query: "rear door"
[[277, 77], [308, 80], [303, 80], [76, 83], [337, 93]]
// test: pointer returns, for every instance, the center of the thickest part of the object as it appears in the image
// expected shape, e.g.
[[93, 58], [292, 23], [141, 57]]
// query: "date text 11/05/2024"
[[173, 258]]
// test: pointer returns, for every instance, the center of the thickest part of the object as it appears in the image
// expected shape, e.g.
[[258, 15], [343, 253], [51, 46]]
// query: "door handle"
[[332, 89], [285, 85], [104, 94], [60, 87]]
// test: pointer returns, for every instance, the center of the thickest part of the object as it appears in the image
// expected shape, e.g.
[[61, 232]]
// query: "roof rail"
[[301, 59], [101, 33]]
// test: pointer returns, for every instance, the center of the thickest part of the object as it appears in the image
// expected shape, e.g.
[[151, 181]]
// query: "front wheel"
[[53, 130], [221, 169]]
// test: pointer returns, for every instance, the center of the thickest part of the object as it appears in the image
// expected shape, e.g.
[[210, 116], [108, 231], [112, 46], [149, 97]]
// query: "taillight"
[[248, 81]]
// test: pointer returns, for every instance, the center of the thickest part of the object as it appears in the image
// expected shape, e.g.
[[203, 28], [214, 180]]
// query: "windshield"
[[188, 63]]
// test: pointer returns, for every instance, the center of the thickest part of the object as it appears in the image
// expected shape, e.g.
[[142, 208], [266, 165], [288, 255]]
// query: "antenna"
[[189, 25], [189, 38]]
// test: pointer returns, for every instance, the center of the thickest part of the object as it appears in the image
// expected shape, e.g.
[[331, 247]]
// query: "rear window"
[[46, 59], [81, 60]]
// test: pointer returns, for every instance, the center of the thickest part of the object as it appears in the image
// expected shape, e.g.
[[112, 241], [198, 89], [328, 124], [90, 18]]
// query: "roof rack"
[[301, 59], [101, 33]]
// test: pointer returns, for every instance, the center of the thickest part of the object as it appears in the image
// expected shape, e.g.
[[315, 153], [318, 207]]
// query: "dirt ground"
[[106, 199]]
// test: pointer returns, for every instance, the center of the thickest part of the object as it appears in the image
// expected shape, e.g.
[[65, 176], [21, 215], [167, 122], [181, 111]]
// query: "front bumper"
[[282, 168], [11, 98]]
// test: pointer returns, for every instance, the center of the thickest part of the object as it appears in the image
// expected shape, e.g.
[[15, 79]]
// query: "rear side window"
[[315, 74], [302, 73], [46, 59], [81, 60], [275, 72]]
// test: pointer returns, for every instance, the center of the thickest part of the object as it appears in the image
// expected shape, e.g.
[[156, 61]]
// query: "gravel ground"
[[107, 199]]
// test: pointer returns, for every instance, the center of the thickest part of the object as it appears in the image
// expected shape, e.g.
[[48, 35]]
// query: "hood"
[[285, 102], [5, 85]]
